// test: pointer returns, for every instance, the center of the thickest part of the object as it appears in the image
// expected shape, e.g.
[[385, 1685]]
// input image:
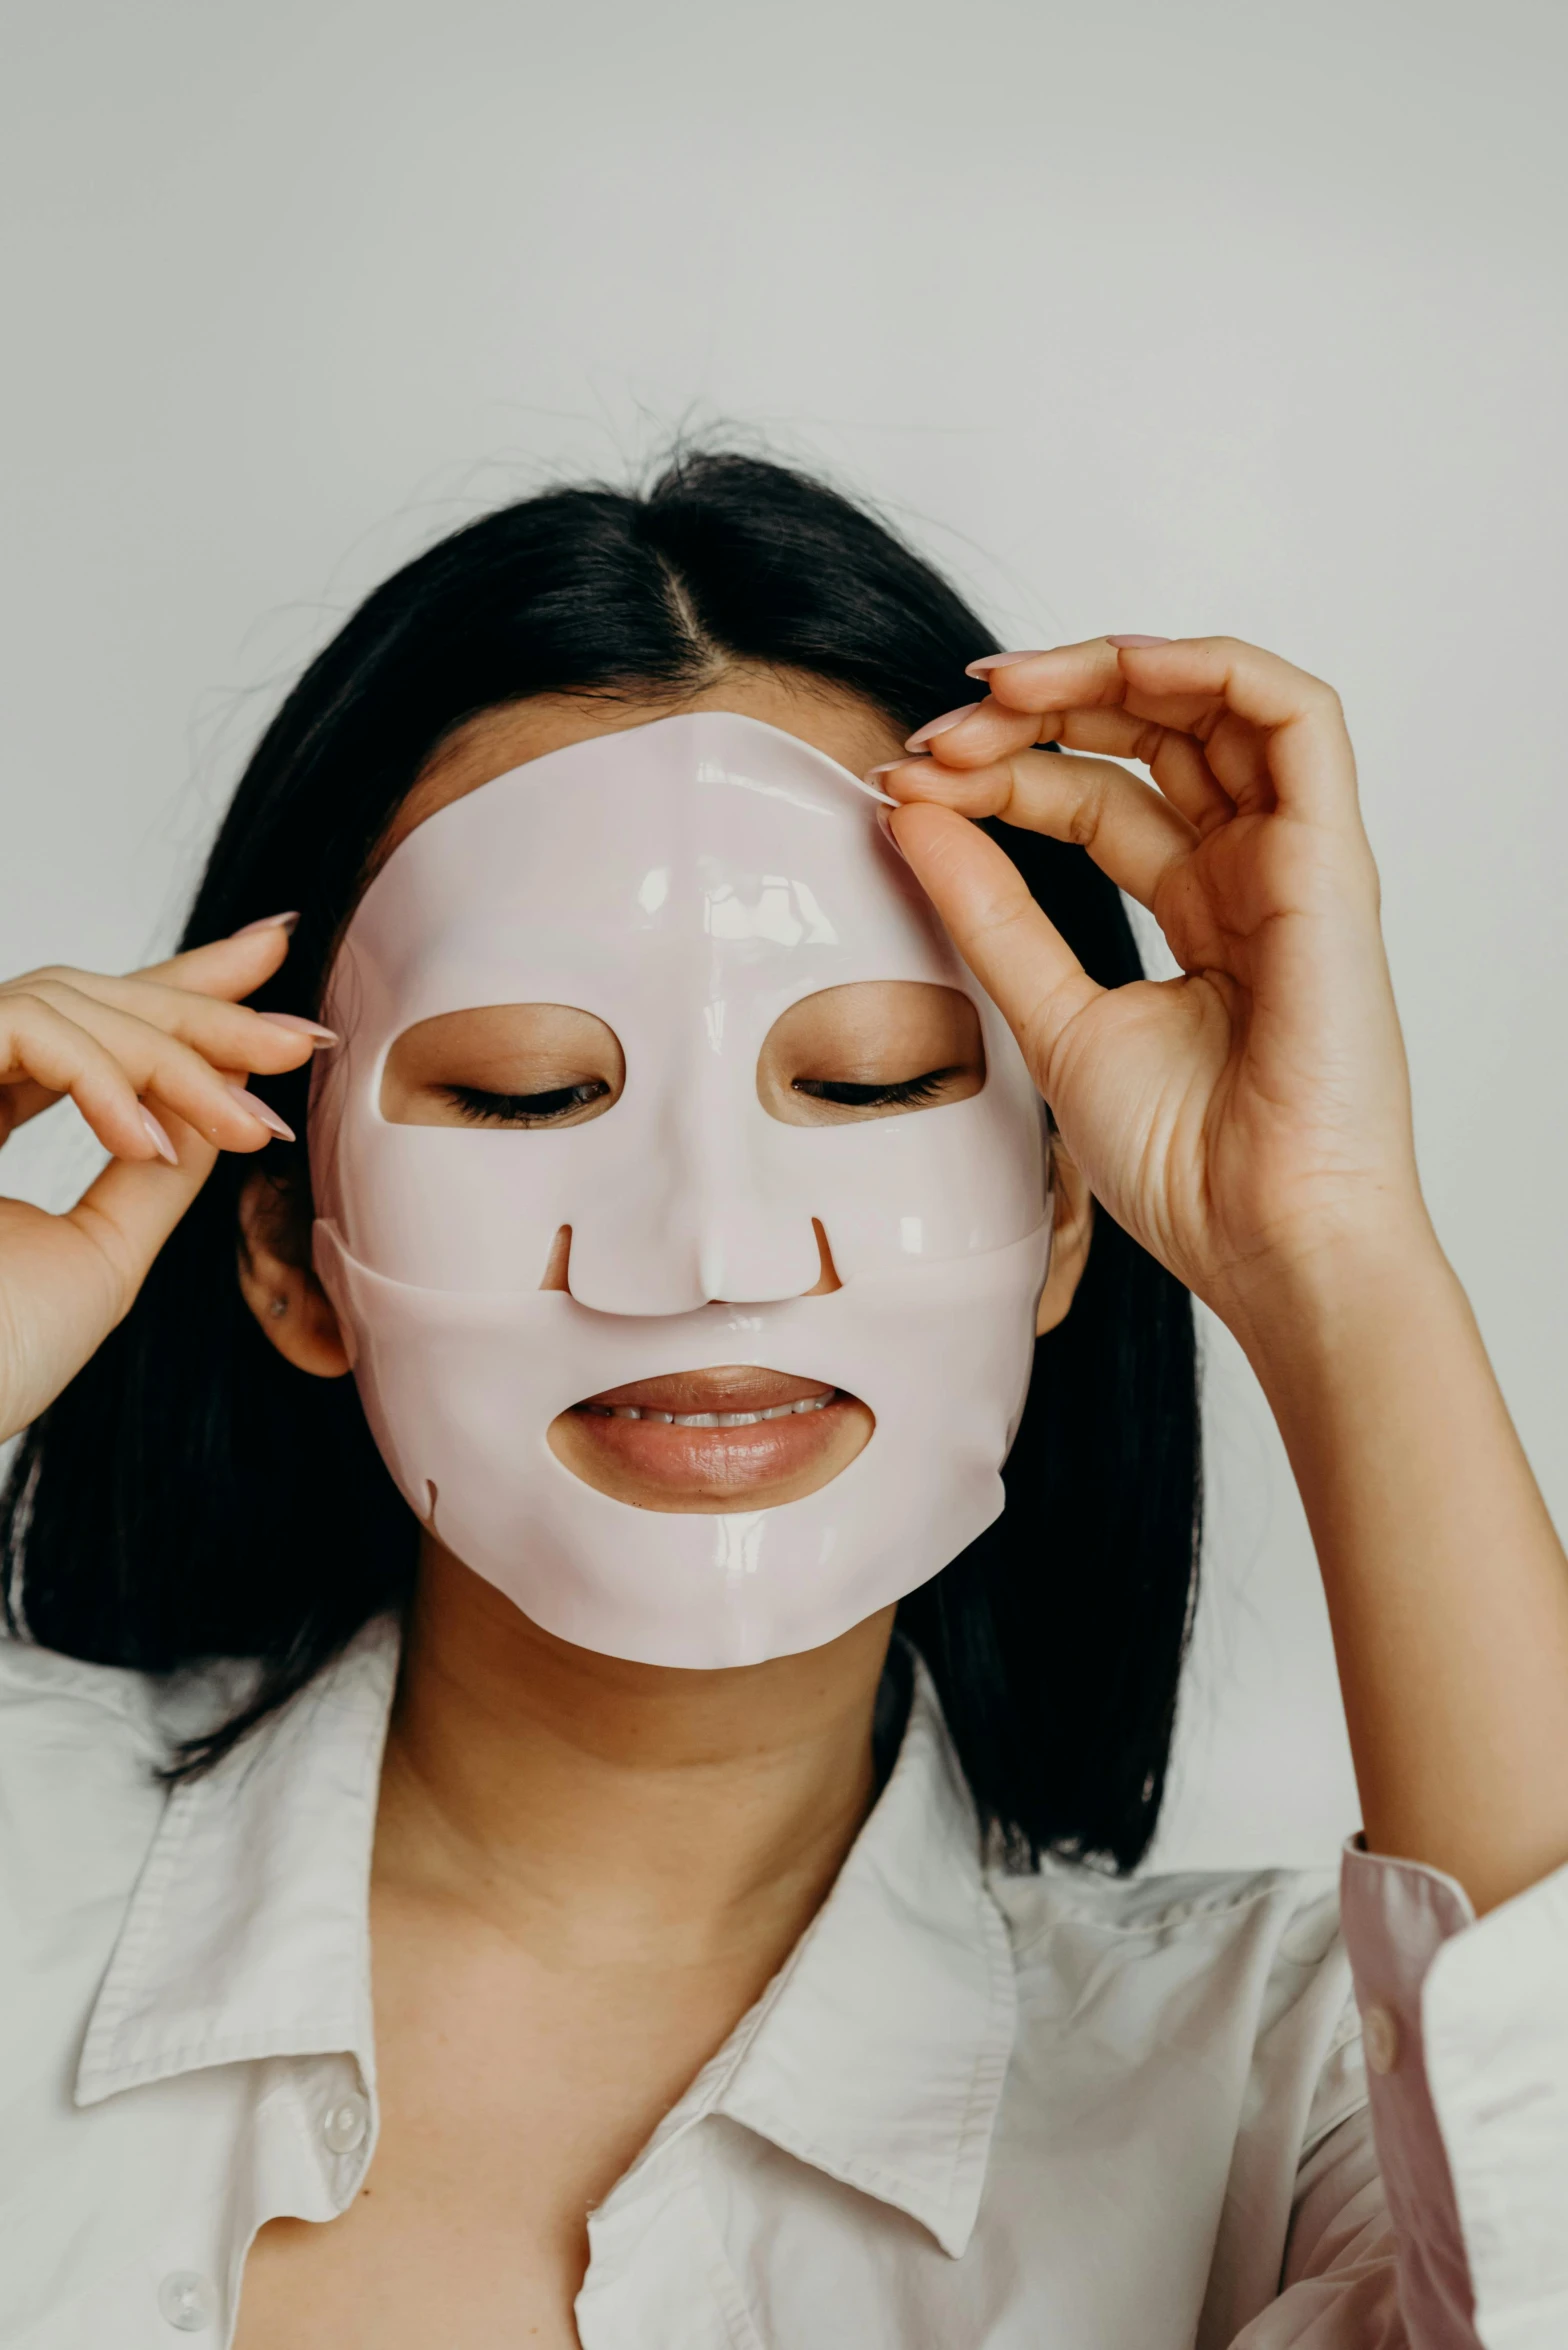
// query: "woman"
[[775, 2001]]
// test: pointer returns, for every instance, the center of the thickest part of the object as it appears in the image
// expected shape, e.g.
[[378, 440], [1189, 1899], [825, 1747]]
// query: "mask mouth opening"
[[735, 1395], [738, 1437]]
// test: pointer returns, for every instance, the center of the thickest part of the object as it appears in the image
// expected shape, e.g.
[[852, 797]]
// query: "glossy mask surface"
[[686, 882]]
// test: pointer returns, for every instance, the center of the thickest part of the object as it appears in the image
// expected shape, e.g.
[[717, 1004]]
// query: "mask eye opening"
[[871, 1049], [526, 1068]]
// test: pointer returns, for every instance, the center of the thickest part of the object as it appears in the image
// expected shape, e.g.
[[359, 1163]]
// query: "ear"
[[1071, 1234], [279, 1287]]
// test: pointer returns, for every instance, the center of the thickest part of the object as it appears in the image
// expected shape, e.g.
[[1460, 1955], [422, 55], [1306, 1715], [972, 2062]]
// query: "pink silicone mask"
[[686, 881]]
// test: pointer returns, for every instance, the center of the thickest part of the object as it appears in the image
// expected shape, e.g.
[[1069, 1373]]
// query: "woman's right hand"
[[156, 1063]]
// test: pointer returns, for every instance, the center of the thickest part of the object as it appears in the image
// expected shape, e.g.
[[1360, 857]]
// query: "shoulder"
[[80, 1750], [1201, 1998], [1245, 1947], [107, 1715], [82, 1798], [83, 1746], [74, 1713], [1204, 1906]]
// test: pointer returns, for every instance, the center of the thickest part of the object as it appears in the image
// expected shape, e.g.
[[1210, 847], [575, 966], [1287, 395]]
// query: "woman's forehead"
[[703, 858], [829, 718]]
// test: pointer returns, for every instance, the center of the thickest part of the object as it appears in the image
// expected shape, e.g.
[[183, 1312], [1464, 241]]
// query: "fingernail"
[[888, 834], [158, 1137], [267, 922], [872, 783], [262, 1110], [300, 1027], [989, 661], [935, 726], [1135, 644]]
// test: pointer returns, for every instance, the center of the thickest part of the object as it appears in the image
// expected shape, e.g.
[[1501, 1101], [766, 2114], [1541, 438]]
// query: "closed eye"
[[479, 1108], [906, 1093]]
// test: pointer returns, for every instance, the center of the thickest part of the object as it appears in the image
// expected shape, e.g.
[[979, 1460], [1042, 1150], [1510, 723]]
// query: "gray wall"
[[1173, 315]]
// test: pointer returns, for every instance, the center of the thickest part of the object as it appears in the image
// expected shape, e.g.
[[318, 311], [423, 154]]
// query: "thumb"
[[1013, 948], [69, 1280], [133, 1206]]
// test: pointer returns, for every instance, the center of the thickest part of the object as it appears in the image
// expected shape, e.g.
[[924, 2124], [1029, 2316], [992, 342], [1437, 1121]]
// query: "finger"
[[1016, 953], [989, 730], [1176, 761], [229, 1035], [65, 1042], [59, 1059], [1235, 750], [1264, 723], [230, 967], [1132, 832], [1060, 677]]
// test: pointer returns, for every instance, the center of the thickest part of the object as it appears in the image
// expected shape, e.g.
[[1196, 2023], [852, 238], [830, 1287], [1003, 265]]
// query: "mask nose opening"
[[557, 1271], [828, 1279]]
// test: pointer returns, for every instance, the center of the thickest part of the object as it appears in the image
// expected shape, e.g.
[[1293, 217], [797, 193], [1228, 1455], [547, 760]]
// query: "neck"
[[571, 1797]]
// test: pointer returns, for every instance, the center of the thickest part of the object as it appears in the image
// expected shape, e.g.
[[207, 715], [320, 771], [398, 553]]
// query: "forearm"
[[1447, 1586]]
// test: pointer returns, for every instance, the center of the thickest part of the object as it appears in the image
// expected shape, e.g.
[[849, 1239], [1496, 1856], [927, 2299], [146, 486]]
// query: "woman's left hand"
[[1254, 1113]]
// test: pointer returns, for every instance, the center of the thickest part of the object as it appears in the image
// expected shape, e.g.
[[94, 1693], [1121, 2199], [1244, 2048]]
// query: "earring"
[[277, 1307]]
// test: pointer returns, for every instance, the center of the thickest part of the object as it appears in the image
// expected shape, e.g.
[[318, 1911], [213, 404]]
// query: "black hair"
[[190, 1496]]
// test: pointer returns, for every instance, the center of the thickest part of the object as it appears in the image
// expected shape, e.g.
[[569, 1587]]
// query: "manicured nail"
[[1135, 644], [267, 922], [989, 661], [301, 1027], [262, 1110], [872, 779], [158, 1137], [888, 834], [935, 726]]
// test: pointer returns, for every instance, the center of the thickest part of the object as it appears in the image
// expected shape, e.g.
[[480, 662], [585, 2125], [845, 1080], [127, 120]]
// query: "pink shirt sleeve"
[[1465, 2026], [1396, 1917]]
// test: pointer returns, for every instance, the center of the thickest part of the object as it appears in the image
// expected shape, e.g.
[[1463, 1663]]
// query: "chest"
[[512, 2098]]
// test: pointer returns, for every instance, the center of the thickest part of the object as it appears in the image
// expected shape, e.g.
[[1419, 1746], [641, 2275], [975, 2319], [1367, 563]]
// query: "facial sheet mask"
[[685, 881]]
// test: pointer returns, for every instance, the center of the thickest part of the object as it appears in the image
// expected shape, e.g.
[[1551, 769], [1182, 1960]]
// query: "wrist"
[[1311, 1299]]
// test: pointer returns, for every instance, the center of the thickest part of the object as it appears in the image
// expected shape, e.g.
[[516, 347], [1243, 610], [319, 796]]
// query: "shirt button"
[[344, 2124], [1380, 2033], [187, 2301]]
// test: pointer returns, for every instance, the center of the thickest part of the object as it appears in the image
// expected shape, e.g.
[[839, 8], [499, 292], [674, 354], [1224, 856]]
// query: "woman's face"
[[697, 1439], [743, 1436]]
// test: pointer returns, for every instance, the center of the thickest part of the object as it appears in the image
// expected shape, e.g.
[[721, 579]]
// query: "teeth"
[[779, 1411]]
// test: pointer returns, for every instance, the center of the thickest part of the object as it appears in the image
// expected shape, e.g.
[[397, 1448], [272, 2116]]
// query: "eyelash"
[[523, 1109], [542, 1109], [874, 1097]]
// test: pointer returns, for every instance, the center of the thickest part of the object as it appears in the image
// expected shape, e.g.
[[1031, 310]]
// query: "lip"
[[735, 1437], [731, 1387]]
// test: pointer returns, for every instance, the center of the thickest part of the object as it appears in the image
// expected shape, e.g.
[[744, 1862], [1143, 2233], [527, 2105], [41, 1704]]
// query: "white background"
[[1165, 316]]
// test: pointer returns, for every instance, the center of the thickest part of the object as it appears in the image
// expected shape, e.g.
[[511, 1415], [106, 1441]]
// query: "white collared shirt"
[[973, 2111]]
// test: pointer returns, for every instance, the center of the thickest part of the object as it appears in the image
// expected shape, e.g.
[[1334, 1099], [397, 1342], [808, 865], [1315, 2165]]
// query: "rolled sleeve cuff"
[[1465, 2025]]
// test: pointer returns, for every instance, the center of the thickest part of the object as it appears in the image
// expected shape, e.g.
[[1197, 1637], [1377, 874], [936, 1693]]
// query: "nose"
[[698, 1209], [558, 1268]]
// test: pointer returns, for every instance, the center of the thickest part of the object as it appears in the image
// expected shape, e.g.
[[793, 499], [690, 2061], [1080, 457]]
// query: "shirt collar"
[[248, 1934], [877, 2055]]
